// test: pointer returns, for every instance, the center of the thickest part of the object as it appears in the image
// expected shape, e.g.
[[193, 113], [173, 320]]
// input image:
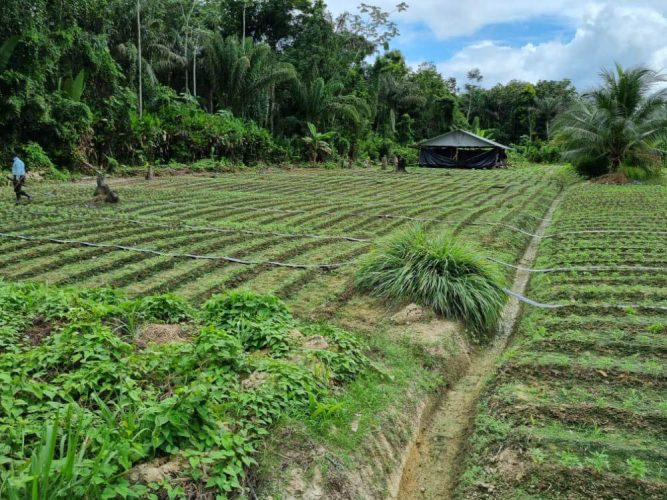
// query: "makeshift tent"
[[461, 149]]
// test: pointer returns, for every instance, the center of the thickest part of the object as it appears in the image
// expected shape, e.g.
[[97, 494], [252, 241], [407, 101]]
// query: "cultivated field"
[[322, 220], [579, 407]]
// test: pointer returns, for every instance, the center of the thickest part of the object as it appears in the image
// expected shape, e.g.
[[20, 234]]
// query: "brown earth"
[[443, 442], [40, 329], [161, 334], [617, 179], [308, 471]]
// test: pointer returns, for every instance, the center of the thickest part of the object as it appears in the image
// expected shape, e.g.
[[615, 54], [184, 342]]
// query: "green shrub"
[[592, 167], [643, 173], [441, 272], [37, 160], [565, 176], [537, 151], [258, 321], [168, 308]]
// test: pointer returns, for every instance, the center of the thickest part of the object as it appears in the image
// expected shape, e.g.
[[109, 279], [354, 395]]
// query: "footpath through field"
[[577, 406]]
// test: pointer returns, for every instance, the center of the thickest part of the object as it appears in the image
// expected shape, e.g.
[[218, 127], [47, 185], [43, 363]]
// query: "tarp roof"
[[461, 139]]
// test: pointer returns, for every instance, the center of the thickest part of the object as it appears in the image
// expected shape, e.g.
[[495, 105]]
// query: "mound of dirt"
[[316, 343], [161, 334], [255, 380], [409, 314], [615, 179], [156, 471]]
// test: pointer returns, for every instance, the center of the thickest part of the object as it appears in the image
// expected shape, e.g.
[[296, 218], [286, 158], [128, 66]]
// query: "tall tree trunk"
[[141, 90], [273, 107], [187, 67], [548, 132], [243, 38], [186, 28], [194, 70]]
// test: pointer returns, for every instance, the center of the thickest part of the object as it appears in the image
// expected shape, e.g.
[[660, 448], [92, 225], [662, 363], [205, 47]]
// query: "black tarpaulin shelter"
[[461, 149]]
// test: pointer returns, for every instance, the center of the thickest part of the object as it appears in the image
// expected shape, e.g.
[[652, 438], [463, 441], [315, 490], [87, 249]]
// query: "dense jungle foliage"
[[104, 82]]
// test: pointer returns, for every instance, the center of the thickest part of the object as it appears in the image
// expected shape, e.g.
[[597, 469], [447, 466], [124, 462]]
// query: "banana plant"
[[73, 88], [317, 142]]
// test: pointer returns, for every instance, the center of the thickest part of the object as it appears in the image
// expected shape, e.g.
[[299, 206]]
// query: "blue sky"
[[529, 39], [418, 43]]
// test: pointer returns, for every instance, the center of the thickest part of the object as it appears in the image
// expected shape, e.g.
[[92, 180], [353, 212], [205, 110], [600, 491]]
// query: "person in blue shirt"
[[18, 173]]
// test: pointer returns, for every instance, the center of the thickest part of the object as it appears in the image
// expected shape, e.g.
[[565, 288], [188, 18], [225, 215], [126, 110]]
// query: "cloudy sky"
[[529, 39]]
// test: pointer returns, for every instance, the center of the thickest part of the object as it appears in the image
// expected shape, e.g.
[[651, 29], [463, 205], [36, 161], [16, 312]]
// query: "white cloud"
[[627, 31], [628, 35], [450, 18]]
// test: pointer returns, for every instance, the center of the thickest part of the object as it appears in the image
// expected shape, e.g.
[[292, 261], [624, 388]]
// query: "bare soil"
[[310, 471], [437, 461], [40, 329], [617, 179], [161, 334]]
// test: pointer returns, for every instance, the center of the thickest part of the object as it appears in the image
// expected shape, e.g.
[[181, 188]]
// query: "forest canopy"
[[104, 82]]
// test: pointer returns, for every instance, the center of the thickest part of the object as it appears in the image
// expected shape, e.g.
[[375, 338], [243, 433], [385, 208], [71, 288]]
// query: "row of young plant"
[[142, 273], [85, 398], [311, 186], [578, 405], [219, 203]]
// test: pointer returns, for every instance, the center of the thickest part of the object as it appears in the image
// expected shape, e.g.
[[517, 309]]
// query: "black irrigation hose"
[[177, 255], [517, 296], [211, 229], [540, 305], [578, 269], [604, 231]]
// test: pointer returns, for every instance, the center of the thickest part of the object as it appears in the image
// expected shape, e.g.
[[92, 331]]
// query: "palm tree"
[[144, 48], [243, 75], [548, 108], [323, 103], [317, 142], [619, 123], [395, 96]]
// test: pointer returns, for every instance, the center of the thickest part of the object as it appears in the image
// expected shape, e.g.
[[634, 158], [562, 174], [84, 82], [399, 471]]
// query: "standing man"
[[18, 172]]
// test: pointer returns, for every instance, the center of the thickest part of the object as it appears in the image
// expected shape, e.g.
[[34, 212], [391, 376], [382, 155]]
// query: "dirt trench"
[[436, 460]]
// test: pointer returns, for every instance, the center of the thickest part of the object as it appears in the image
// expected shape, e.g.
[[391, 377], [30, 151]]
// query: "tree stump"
[[401, 163], [150, 175], [384, 163], [103, 192]]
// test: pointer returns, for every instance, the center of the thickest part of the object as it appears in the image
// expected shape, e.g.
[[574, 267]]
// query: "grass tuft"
[[443, 273]]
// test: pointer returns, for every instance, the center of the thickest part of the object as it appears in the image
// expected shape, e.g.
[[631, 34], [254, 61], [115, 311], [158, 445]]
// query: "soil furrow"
[[440, 449]]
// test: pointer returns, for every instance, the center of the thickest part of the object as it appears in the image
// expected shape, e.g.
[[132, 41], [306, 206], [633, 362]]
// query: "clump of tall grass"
[[442, 273]]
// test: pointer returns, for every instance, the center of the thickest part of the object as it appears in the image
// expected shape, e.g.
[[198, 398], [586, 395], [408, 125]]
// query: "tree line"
[[134, 81]]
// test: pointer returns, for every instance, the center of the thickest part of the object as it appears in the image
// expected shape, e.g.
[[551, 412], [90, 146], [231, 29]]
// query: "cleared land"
[[578, 408], [292, 218], [311, 218]]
